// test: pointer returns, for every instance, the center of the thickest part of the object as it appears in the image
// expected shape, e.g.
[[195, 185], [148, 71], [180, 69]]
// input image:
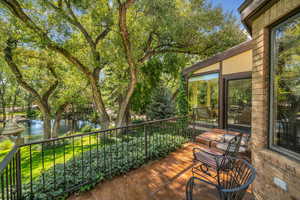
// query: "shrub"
[[161, 106], [86, 128], [6, 145], [137, 121], [32, 113]]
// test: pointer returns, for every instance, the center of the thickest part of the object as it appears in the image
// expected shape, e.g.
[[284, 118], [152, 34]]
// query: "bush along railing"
[[52, 169]]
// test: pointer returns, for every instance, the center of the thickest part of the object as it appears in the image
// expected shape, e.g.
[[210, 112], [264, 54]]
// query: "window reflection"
[[239, 104], [203, 98], [285, 91]]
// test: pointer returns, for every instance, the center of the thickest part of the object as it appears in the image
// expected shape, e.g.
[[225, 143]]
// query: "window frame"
[[272, 65]]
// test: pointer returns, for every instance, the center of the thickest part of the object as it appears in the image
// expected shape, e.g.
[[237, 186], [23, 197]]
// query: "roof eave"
[[251, 8], [245, 46]]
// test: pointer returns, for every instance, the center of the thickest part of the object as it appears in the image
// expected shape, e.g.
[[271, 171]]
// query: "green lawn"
[[8, 115], [61, 153]]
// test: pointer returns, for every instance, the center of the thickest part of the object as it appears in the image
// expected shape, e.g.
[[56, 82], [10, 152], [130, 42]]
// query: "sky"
[[229, 5]]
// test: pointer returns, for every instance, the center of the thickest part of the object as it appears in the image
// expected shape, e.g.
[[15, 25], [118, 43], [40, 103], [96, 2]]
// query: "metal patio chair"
[[210, 159], [231, 183]]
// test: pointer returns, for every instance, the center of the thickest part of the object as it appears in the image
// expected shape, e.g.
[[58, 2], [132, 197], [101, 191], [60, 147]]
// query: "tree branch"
[[8, 55], [17, 11], [52, 88], [149, 54], [102, 35], [76, 23], [149, 42], [124, 31]]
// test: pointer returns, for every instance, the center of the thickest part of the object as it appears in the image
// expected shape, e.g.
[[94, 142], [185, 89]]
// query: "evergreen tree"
[[161, 106]]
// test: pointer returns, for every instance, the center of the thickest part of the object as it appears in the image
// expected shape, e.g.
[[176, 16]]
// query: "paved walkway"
[[159, 180]]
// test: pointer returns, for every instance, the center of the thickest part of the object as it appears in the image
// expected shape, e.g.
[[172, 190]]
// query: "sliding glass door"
[[238, 106]]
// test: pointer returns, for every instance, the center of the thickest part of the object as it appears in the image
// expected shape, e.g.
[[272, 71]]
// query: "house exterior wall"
[[269, 164], [212, 67], [238, 63]]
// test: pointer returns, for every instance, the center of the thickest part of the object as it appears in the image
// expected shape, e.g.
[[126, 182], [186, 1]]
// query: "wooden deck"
[[158, 180]]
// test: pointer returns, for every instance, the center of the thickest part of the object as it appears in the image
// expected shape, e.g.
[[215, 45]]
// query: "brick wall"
[[269, 164]]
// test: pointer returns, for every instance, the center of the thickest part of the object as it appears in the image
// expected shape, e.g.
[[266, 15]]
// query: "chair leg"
[[201, 169]]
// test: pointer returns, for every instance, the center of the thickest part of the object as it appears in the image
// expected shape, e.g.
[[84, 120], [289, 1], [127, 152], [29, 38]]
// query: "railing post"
[[146, 142], [194, 129], [18, 175]]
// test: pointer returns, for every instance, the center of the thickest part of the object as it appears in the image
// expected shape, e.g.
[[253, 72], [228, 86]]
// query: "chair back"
[[233, 183], [234, 146], [231, 151]]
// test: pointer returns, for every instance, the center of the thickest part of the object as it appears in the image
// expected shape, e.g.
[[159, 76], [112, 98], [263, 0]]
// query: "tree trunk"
[[47, 125], [3, 112], [29, 105], [58, 116], [56, 125], [127, 116], [2, 93], [104, 118], [14, 103], [129, 57], [3, 105], [125, 103]]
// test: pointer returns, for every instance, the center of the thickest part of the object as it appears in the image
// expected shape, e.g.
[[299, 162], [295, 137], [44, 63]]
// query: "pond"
[[34, 128]]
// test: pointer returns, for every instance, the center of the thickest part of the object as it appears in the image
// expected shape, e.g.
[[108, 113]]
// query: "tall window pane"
[[285, 86], [239, 104], [203, 98]]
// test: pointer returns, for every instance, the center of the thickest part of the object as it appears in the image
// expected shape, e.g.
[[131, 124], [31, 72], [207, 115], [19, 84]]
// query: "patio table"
[[223, 147]]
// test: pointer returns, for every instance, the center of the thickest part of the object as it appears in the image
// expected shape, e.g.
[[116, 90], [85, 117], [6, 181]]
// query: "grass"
[[9, 114]]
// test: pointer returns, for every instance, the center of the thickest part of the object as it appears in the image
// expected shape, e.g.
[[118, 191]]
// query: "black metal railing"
[[10, 180], [54, 168]]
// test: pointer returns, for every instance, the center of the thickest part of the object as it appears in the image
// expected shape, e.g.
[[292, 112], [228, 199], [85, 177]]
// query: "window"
[[285, 87], [204, 98], [239, 104]]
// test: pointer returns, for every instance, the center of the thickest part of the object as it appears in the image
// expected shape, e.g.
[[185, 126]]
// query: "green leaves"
[[182, 97]]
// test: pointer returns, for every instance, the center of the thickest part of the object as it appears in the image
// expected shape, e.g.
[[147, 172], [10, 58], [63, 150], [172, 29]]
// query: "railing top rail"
[[101, 131], [8, 158]]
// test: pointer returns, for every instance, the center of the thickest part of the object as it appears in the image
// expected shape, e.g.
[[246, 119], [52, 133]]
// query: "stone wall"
[[269, 164]]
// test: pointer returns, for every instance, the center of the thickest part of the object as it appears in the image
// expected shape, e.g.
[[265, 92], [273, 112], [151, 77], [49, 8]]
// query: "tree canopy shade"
[[119, 38]]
